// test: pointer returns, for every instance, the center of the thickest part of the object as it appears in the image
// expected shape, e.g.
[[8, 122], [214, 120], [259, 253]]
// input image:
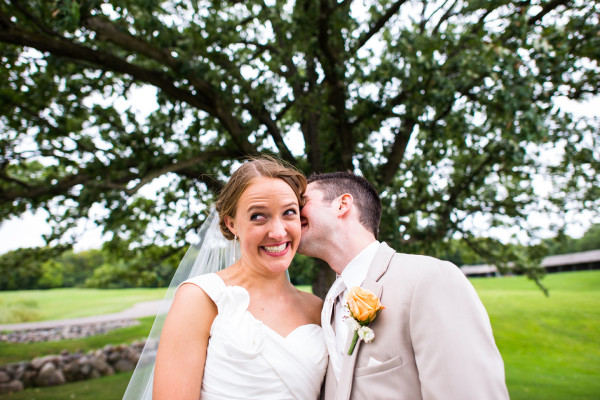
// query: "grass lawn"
[[550, 345], [106, 388], [42, 305]]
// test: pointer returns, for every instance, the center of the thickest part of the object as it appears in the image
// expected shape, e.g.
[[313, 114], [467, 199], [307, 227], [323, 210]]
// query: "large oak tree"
[[446, 106]]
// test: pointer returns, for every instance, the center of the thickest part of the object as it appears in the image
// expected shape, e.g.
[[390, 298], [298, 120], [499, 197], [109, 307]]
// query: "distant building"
[[481, 270], [586, 260]]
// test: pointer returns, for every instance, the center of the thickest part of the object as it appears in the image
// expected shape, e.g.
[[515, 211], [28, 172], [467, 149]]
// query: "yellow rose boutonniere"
[[364, 307]]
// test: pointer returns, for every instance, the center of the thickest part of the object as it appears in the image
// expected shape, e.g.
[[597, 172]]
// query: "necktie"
[[336, 289]]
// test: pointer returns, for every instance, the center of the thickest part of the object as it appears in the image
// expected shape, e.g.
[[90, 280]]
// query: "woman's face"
[[267, 224]]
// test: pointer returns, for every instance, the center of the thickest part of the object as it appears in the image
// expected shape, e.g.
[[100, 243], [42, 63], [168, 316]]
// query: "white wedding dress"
[[248, 360]]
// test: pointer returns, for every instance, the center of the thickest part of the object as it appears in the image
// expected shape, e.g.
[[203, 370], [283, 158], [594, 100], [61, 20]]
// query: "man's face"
[[318, 223]]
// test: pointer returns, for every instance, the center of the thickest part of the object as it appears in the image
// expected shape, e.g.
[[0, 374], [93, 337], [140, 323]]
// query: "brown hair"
[[264, 166], [368, 203]]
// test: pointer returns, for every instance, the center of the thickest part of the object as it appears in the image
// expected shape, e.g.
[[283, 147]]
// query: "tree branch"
[[447, 15], [388, 170], [177, 167], [10, 33], [376, 27], [265, 117], [551, 5], [44, 190]]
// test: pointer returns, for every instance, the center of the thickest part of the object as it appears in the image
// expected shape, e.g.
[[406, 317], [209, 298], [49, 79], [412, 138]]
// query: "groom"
[[433, 339]]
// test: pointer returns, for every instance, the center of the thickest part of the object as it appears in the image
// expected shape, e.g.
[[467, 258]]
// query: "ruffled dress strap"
[[212, 284]]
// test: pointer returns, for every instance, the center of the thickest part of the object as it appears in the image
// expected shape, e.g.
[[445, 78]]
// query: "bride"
[[243, 332]]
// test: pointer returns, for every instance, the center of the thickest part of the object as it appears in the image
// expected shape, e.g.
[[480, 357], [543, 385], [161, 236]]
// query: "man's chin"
[[303, 248]]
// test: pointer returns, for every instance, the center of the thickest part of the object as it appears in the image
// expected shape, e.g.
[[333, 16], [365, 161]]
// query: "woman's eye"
[[257, 217], [291, 211]]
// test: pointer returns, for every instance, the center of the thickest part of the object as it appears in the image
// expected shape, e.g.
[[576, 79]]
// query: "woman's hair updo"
[[263, 166]]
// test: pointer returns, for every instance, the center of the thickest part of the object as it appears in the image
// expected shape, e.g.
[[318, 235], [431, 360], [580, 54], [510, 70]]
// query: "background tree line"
[[46, 268], [448, 107]]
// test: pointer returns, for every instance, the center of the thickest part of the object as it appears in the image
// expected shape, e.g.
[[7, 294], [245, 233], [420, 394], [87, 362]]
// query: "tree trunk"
[[324, 279]]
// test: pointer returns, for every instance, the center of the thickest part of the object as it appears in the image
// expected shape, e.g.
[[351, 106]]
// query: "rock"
[[71, 372], [85, 369], [29, 378], [100, 365], [123, 365], [58, 369], [108, 348], [11, 387], [65, 332], [49, 375], [113, 357], [39, 362]]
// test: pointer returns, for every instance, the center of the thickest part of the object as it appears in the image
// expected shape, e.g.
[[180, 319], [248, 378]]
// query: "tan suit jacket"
[[433, 340]]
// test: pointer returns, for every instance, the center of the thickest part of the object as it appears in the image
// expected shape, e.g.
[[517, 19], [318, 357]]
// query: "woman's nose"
[[277, 229]]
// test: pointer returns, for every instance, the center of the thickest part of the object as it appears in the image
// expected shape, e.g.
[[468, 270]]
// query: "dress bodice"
[[248, 360]]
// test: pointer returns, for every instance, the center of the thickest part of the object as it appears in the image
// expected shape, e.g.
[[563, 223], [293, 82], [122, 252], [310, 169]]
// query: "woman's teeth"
[[276, 249]]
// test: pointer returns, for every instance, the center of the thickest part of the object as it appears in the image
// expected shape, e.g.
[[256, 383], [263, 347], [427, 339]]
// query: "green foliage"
[[52, 275], [562, 244], [302, 270], [22, 269], [449, 109], [152, 266], [79, 266]]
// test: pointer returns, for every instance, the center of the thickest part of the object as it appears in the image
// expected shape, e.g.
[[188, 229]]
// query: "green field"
[[550, 345], [44, 305]]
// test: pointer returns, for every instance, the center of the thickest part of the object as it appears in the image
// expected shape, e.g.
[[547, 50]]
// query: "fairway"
[[550, 345], [44, 305]]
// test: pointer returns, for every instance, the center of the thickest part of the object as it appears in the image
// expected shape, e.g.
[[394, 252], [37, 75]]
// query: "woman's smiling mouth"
[[276, 249]]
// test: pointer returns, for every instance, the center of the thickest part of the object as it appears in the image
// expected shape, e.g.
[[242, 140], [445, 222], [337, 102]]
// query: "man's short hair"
[[368, 203]]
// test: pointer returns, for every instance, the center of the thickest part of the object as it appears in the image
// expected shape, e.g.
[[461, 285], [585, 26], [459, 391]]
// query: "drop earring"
[[234, 247]]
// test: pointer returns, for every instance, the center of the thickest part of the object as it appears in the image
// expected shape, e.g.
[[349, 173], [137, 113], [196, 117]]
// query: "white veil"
[[212, 253]]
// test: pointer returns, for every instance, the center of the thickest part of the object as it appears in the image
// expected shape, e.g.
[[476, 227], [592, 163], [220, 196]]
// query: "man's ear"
[[230, 223], [345, 202]]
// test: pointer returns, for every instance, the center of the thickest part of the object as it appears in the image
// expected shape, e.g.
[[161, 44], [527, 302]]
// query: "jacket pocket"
[[392, 363]]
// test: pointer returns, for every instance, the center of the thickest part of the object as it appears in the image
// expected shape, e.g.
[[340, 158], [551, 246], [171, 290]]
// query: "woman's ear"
[[230, 223]]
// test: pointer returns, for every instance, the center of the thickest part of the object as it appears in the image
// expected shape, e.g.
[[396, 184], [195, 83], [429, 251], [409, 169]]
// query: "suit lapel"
[[377, 268]]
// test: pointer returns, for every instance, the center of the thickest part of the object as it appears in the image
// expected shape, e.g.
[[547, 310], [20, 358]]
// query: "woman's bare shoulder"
[[312, 304]]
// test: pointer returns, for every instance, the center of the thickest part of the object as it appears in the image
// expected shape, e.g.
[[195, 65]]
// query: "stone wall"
[[69, 367], [71, 331]]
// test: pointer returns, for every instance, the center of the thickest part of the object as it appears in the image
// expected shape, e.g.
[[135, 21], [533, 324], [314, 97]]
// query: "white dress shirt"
[[353, 275]]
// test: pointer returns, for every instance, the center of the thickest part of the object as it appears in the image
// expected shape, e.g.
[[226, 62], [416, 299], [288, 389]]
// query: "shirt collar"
[[356, 271]]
